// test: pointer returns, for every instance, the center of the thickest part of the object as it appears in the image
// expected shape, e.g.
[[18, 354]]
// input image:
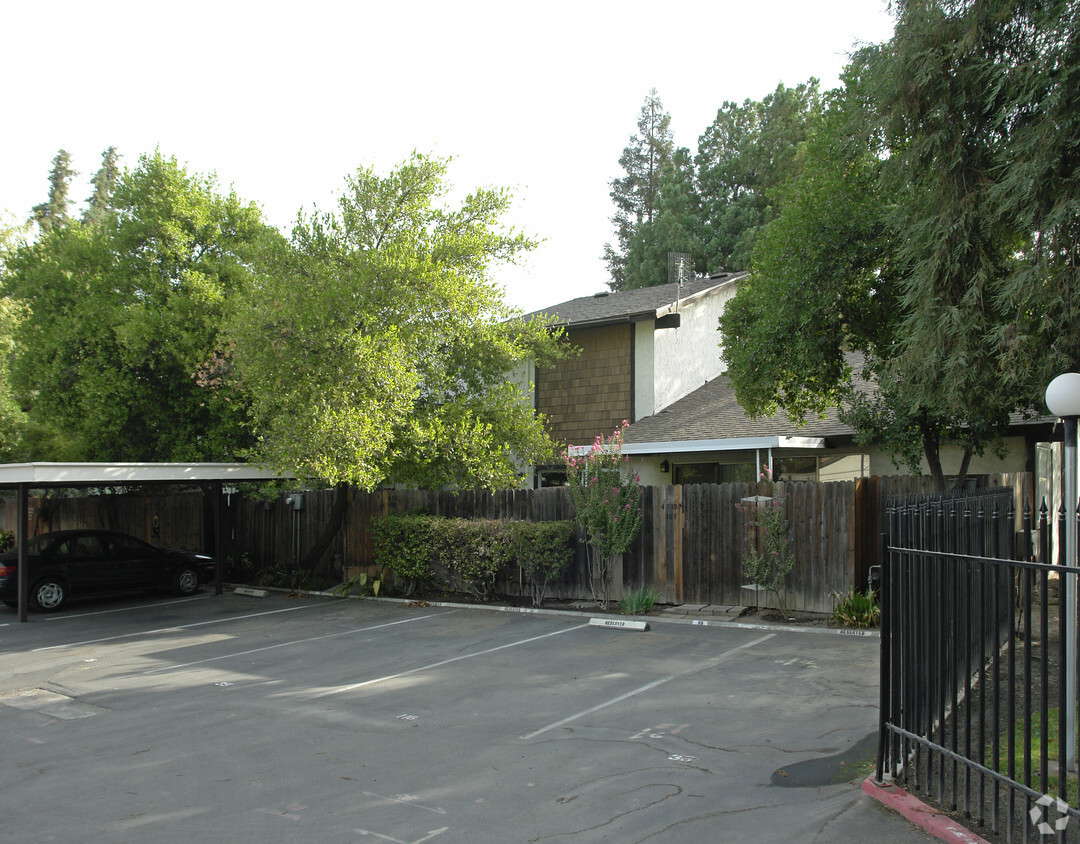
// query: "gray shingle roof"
[[712, 413], [631, 305]]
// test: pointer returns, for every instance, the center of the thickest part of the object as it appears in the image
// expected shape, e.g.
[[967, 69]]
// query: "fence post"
[[884, 684]]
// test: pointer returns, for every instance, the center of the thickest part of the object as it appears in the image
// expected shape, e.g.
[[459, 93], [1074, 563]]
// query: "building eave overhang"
[[703, 446], [106, 474]]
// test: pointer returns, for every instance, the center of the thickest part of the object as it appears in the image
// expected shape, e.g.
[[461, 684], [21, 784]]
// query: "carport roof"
[[90, 474]]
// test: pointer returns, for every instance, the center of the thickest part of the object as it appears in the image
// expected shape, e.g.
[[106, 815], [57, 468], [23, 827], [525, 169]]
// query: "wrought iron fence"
[[973, 676]]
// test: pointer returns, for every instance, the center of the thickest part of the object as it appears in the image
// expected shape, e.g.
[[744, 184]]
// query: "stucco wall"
[[686, 357], [988, 464]]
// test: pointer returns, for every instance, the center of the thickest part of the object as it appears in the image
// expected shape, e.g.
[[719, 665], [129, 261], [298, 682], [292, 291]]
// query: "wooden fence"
[[689, 549]]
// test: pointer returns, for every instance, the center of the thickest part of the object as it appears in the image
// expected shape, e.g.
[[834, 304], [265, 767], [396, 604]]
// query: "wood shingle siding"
[[590, 393]]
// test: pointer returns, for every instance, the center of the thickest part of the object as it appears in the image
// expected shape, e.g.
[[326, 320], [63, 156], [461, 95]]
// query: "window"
[[548, 477], [712, 473], [795, 468]]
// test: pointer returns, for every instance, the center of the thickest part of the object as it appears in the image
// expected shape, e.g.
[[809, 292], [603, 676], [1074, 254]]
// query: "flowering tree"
[[767, 554], [606, 499]]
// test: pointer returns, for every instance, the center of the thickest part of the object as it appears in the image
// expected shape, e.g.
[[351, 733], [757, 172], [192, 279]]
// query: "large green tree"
[[710, 206], [376, 348], [749, 151], [822, 283], [940, 250], [123, 317]]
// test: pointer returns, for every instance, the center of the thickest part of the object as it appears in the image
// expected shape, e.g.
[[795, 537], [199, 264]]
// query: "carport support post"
[[216, 498], [22, 520]]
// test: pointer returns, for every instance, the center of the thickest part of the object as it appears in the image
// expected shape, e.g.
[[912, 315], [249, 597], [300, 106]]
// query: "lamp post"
[[1063, 401]]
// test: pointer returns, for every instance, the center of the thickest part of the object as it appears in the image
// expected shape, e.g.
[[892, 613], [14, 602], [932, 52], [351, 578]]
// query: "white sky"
[[283, 100]]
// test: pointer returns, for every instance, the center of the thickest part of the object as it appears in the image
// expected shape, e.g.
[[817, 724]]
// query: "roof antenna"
[[678, 270]]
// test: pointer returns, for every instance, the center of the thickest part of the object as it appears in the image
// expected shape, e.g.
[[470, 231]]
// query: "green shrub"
[[639, 601], [856, 609], [543, 551], [470, 554], [405, 546], [467, 555], [7, 540]]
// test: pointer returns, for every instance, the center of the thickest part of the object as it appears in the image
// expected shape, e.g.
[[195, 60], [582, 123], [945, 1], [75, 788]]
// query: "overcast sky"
[[283, 100]]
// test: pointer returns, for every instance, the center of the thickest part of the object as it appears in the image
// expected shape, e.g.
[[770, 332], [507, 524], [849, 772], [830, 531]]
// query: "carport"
[[24, 477]]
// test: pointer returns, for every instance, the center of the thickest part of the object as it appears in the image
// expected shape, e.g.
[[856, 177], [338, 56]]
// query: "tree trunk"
[[964, 464], [932, 451], [330, 529]]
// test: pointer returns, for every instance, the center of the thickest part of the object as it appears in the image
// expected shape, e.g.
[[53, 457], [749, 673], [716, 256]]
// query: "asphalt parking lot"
[[281, 719]]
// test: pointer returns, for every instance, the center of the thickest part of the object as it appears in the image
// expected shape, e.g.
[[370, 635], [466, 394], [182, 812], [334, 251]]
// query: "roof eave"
[[726, 444], [76, 474]]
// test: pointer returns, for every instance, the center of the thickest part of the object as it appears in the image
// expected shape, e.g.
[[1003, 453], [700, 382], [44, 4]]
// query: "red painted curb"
[[933, 821]]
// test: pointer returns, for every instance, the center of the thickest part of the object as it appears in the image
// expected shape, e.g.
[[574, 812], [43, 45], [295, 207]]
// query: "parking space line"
[[175, 628], [67, 616], [287, 644], [711, 663], [440, 663]]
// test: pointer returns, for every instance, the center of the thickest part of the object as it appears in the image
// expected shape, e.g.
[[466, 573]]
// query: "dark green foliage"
[[749, 150], [53, 213], [463, 555], [675, 227], [100, 204], [712, 205], [636, 194]]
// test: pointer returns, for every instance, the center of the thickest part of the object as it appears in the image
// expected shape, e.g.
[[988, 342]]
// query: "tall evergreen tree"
[[749, 151], [636, 194], [100, 203], [674, 228], [54, 213]]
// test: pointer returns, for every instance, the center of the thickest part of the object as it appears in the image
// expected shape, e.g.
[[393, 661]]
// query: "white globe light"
[[1063, 395]]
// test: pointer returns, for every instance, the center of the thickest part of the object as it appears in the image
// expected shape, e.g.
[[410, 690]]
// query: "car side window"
[[126, 547], [90, 546]]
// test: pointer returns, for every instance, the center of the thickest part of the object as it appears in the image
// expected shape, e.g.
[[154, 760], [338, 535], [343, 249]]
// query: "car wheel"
[[48, 594], [186, 580]]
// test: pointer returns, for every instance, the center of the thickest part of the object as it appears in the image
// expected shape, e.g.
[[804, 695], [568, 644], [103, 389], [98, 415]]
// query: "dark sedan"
[[75, 563]]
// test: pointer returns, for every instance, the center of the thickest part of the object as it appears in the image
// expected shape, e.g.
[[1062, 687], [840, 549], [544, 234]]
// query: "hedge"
[[467, 555]]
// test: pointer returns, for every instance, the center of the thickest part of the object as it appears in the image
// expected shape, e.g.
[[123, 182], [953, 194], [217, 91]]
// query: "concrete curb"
[[710, 621], [940, 825]]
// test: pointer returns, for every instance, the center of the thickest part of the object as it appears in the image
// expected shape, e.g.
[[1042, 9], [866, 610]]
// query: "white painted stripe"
[[177, 628], [288, 644], [67, 616], [712, 663], [443, 662]]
